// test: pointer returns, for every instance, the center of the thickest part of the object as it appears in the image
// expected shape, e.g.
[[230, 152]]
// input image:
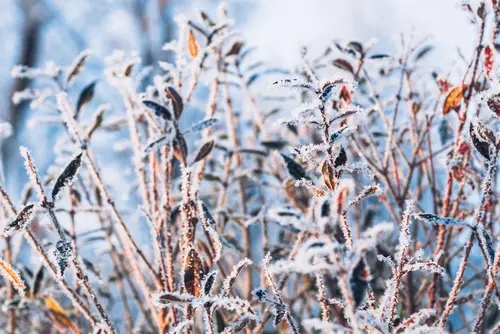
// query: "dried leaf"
[[489, 60], [206, 19], [85, 97], [96, 121], [201, 125], [423, 52], [193, 273], [454, 98], [204, 151], [295, 170], [344, 65], [482, 138], [193, 45], [177, 102], [63, 253], [22, 220], [172, 298], [59, 315], [208, 283], [159, 110], [493, 103], [67, 176], [328, 175], [235, 49], [77, 67], [180, 148], [11, 274]]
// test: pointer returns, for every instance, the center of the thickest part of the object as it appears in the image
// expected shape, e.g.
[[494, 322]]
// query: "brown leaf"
[[328, 176], [193, 273], [454, 98], [85, 97], [204, 151], [177, 103], [9, 273], [493, 103], [58, 314], [193, 45], [22, 220], [344, 65], [235, 49], [180, 148], [77, 67], [67, 176], [489, 60]]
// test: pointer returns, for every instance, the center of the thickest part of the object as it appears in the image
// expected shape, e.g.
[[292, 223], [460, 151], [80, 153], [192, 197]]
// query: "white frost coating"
[[180, 327]]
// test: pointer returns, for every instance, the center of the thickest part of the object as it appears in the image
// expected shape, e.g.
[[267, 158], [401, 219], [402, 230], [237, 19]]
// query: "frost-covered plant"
[[317, 203]]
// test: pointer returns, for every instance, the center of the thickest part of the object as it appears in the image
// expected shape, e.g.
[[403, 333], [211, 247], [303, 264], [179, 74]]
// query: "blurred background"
[[33, 32]]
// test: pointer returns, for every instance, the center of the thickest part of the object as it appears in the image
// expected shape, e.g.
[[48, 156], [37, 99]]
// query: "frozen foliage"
[[370, 208]]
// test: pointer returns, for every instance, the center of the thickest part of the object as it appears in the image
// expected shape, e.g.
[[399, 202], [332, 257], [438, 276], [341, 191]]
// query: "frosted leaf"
[[289, 217], [77, 66], [22, 220], [63, 254], [304, 260], [67, 177], [164, 299], [368, 191], [166, 139], [434, 219], [10, 274], [305, 152], [229, 281], [208, 283], [428, 265], [343, 131], [201, 125], [293, 83]]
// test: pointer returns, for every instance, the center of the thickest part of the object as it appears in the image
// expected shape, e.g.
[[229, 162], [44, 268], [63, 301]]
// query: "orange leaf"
[[193, 45], [454, 98], [9, 273], [57, 312]]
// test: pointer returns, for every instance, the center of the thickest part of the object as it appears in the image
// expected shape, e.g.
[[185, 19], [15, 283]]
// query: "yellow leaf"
[[193, 45], [58, 314], [9, 273], [454, 98]]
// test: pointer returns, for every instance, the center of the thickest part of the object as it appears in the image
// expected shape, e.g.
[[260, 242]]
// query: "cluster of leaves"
[[322, 202]]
